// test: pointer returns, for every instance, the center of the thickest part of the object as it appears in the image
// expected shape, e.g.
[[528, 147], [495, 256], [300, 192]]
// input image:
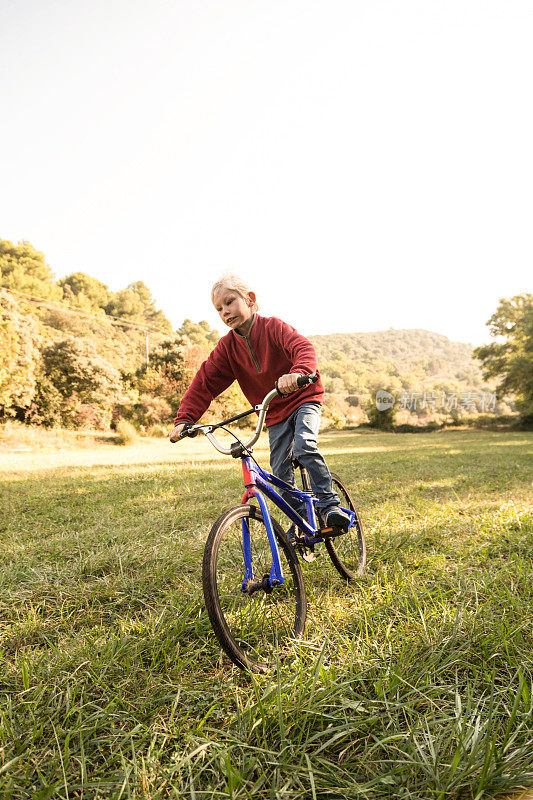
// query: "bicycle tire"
[[347, 552], [256, 631]]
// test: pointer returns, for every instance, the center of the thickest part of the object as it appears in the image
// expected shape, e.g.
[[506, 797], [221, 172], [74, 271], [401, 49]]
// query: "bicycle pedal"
[[331, 531], [307, 551]]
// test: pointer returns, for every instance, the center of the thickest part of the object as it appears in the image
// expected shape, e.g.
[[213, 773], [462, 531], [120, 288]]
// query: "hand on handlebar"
[[181, 430], [287, 384], [174, 434], [292, 381]]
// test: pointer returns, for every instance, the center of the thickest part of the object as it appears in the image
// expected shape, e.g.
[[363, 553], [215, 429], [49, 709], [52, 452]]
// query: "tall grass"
[[414, 683], [126, 432]]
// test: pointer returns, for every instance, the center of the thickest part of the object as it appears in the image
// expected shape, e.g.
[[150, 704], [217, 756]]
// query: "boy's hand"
[[288, 383], [174, 434]]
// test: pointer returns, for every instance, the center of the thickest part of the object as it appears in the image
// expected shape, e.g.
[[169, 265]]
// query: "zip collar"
[[251, 351], [254, 317]]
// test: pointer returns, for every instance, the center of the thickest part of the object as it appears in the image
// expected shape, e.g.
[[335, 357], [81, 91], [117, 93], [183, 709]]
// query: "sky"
[[363, 164]]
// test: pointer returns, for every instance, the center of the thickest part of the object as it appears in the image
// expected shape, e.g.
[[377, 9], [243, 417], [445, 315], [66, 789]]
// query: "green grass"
[[414, 683]]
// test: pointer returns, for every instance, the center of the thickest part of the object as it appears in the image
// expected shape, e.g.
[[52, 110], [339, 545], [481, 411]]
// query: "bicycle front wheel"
[[347, 552], [255, 627]]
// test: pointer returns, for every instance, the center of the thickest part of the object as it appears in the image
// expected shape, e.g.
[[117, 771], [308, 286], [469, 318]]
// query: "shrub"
[[153, 410], [145, 413], [385, 419], [428, 428], [157, 431], [332, 417], [126, 433]]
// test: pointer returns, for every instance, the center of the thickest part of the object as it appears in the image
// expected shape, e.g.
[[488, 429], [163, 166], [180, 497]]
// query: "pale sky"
[[365, 164]]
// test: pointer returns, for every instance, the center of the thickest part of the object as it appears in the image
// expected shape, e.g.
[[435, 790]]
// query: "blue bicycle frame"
[[260, 484]]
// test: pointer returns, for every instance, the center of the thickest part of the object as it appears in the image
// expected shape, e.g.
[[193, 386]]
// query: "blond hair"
[[236, 284]]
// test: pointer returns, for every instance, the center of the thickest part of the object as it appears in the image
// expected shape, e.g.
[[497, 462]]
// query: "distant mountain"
[[403, 346], [404, 359]]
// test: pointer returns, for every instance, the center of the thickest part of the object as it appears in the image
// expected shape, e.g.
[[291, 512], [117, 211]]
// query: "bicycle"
[[253, 583]]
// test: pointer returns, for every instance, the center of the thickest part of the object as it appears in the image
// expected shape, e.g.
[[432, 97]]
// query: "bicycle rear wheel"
[[257, 628], [347, 552]]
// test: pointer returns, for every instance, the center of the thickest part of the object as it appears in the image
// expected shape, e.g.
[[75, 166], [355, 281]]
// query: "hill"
[[428, 373], [403, 346], [407, 354]]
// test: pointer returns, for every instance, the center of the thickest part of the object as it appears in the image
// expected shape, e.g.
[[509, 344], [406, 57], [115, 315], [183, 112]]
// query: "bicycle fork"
[[250, 583]]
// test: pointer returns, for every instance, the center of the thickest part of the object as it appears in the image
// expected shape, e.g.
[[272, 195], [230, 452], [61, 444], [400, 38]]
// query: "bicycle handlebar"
[[262, 408], [303, 380]]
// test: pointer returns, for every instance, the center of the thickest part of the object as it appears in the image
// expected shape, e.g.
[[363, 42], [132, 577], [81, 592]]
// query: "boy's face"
[[233, 309]]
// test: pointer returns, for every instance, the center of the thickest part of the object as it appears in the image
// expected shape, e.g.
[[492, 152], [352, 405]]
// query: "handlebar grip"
[[186, 432], [303, 380]]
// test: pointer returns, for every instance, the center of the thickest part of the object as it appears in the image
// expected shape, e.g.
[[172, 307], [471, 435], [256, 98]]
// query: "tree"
[[86, 292], [181, 355], [197, 333], [19, 356], [512, 359], [76, 367], [23, 269], [135, 303], [75, 374], [168, 355]]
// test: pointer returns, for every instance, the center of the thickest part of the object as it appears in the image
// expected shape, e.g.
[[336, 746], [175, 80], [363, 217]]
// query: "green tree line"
[[74, 353]]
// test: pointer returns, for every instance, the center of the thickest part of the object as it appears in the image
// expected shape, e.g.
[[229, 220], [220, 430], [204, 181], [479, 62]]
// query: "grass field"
[[414, 683]]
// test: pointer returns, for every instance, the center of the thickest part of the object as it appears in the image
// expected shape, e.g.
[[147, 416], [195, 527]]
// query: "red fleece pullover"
[[271, 349]]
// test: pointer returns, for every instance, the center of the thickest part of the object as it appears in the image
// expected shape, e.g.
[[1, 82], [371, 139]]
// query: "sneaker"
[[336, 518]]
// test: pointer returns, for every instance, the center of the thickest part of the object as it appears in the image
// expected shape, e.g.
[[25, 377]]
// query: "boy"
[[257, 352]]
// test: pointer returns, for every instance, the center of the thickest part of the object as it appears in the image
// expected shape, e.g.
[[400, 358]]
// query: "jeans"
[[296, 437]]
